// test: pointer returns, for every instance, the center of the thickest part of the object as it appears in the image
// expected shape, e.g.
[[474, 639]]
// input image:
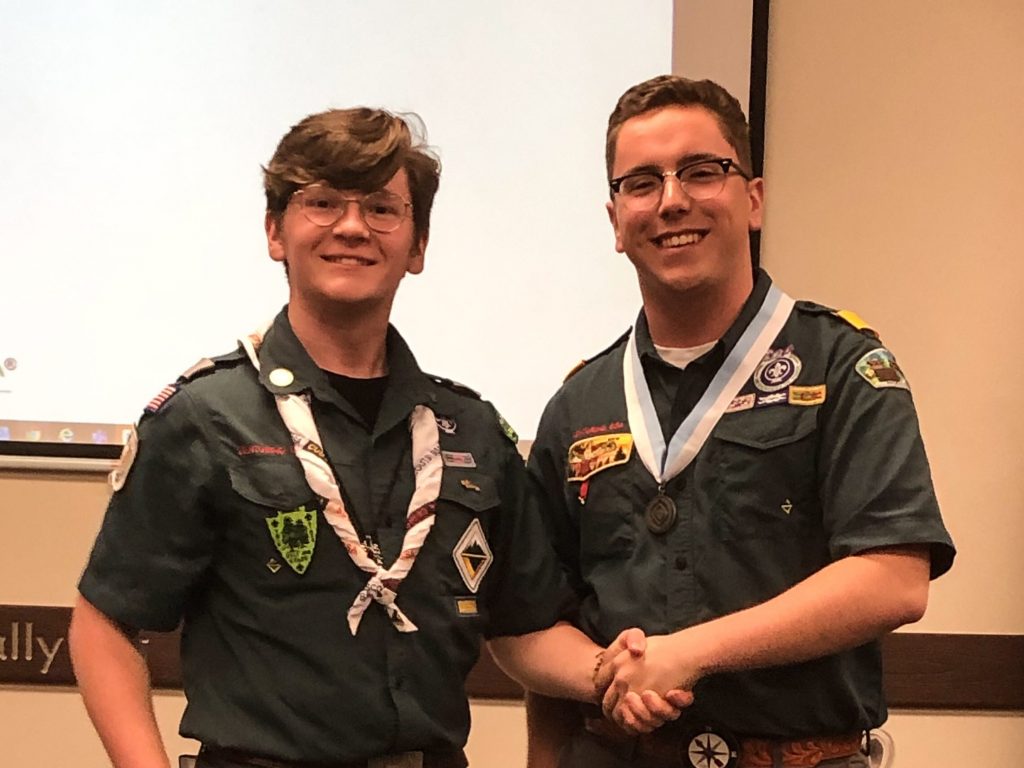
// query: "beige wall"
[[894, 174]]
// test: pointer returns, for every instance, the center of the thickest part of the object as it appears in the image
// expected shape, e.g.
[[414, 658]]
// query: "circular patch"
[[779, 369], [281, 377]]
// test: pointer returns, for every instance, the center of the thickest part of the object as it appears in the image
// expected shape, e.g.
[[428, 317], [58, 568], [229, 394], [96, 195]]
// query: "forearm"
[[558, 661], [114, 683], [848, 603]]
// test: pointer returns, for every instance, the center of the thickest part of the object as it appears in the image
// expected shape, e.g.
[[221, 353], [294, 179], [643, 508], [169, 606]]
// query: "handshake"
[[641, 681]]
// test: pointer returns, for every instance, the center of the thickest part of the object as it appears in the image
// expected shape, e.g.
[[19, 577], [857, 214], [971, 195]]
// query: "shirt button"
[[681, 563]]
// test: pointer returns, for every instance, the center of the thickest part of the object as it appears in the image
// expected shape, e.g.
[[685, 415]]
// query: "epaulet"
[[849, 317], [207, 364], [200, 368], [462, 389], [455, 386], [586, 361]]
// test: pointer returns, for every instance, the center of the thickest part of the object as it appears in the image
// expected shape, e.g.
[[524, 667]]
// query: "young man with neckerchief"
[[335, 529]]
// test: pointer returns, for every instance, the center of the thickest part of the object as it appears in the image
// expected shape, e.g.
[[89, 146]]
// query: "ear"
[[416, 255], [275, 243], [614, 219], [755, 194]]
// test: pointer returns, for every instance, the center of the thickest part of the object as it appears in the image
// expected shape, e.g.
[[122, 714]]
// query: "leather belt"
[[675, 747], [217, 757]]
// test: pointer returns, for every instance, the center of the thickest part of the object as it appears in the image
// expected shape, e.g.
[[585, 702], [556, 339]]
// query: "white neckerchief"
[[663, 462], [427, 465]]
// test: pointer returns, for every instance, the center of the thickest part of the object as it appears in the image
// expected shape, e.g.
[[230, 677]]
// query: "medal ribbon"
[[427, 465], [663, 462]]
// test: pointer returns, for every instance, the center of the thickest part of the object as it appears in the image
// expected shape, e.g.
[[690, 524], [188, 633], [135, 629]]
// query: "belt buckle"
[[399, 760]]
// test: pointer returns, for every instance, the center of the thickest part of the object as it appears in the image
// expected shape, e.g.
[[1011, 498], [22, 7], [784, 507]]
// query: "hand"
[[635, 711], [646, 690]]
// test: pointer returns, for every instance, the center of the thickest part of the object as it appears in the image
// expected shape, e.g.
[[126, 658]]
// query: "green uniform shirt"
[[801, 471], [269, 663]]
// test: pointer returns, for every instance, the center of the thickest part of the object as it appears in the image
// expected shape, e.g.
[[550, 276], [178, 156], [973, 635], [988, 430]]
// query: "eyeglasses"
[[700, 180], [382, 211]]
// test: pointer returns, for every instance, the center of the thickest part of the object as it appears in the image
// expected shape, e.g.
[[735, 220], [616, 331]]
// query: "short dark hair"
[[676, 91], [359, 148]]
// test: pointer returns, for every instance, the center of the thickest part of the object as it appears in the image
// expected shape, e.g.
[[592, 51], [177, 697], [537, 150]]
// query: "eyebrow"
[[695, 157]]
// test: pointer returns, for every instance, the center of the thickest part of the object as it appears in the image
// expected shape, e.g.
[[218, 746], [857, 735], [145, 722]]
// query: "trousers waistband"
[[674, 748], [218, 757]]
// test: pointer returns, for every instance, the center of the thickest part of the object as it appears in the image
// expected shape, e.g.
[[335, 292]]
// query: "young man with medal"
[[741, 475], [336, 529]]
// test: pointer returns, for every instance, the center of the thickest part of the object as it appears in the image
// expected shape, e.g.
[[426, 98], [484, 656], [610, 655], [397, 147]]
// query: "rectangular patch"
[[775, 398], [458, 459], [261, 450], [741, 403], [466, 606], [589, 456], [807, 395]]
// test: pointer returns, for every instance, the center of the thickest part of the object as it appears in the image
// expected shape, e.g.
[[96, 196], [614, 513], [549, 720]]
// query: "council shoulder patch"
[[294, 535], [879, 369], [119, 476], [506, 428], [590, 455]]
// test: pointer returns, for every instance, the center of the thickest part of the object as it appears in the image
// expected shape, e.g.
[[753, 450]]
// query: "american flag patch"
[[164, 395]]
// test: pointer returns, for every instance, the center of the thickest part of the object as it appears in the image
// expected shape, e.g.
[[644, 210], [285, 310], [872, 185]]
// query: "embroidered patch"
[[472, 556], [446, 424], [879, 369], [807, 395], [162, 397], [458, 459], [294, 535], [592, 454], [775, 398], [119, 475], [261, 450], [507, 429], [778, 369], [741, 403], [614, 426], [466, 606]]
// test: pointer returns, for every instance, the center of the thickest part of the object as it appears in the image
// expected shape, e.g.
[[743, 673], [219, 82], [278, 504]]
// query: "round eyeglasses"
[[382, 211], [700, 180]]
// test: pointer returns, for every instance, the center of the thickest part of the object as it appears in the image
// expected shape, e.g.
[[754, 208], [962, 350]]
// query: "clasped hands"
[[643, 686]]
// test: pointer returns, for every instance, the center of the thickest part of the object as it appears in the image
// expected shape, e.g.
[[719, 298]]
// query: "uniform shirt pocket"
[[763, 483]]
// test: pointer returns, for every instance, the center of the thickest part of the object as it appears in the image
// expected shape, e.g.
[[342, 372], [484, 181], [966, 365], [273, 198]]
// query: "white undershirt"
[[681, 357]]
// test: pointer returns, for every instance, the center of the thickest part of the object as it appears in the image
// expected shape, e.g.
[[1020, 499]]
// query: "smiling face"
[[680, 244], [345, 267]]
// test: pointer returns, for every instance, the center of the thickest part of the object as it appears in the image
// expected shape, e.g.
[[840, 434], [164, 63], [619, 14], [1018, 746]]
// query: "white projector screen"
[[132, 140]]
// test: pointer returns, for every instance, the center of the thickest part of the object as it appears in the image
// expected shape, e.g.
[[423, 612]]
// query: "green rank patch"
[[294, 535], [507, 429]]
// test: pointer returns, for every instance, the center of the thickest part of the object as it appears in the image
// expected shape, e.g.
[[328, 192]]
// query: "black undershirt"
[[365, 395]]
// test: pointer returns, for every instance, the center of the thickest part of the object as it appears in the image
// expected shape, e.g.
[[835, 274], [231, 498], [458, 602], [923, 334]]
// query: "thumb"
[[634, 640]]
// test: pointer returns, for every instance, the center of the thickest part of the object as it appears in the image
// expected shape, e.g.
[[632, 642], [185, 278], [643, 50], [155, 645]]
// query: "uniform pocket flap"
[[470, 489], [771, 428], [271, 481]]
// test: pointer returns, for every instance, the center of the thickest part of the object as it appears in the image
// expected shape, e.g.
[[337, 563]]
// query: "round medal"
[[660, 514]]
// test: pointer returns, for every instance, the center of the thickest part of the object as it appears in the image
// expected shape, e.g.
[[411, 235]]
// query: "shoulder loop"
[[849, 317], [855, 320], [586, 361], [206, 364], [455, 386]]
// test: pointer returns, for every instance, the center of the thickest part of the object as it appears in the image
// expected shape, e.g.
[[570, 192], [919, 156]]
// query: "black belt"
[[218, 757]]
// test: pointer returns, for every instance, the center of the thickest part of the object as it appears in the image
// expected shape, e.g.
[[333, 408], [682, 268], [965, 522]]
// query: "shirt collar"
[[762, 282], [407, 385]]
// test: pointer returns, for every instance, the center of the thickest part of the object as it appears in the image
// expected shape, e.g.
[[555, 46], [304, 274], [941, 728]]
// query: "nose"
[[673, 197], [351, 222]]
